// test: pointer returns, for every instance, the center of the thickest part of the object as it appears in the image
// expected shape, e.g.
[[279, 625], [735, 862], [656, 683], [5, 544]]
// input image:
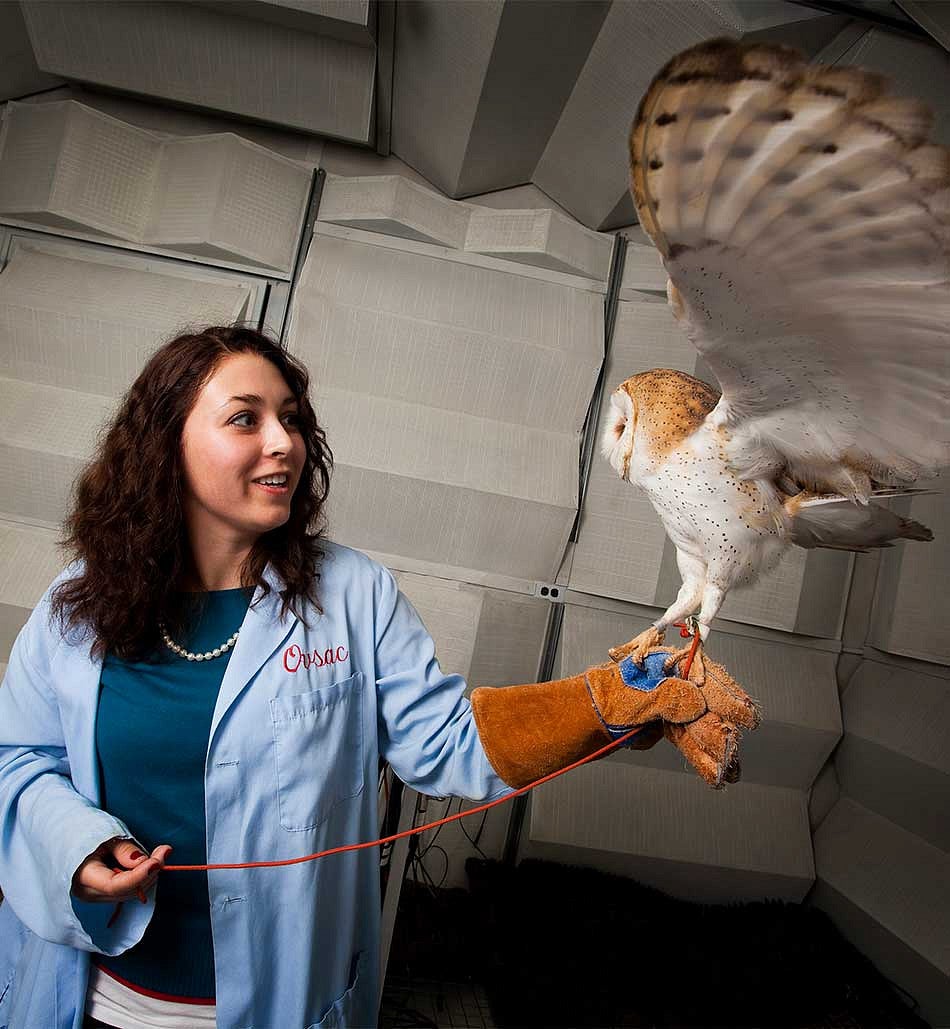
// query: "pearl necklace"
[[207, 655]]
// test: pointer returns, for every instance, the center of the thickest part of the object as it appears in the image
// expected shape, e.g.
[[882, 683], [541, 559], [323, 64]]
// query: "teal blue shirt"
[[152, 729]]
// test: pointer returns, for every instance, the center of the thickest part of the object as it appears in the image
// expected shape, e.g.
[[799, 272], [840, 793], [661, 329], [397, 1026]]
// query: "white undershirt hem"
[[111, 1002]]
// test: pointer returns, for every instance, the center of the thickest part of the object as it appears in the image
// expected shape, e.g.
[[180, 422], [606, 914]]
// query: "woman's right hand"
[[117, 870]]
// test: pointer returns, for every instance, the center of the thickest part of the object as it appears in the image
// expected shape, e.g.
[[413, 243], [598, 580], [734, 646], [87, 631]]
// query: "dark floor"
[[423, 1003], [545, 945]]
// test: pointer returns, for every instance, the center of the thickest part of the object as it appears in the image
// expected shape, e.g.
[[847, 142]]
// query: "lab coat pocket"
[[318, 740], [340, 1012]]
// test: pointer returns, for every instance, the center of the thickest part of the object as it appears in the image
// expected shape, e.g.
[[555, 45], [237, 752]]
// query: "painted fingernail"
[[115, 915], [136, 854], [141, 895]]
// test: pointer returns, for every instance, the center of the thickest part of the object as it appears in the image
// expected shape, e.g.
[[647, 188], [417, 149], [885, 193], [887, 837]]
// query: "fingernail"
[[136, 854], [141, 895], [115, 915]]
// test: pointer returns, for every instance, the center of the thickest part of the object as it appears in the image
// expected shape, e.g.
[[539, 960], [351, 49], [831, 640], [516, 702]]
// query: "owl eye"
[[619, 427]]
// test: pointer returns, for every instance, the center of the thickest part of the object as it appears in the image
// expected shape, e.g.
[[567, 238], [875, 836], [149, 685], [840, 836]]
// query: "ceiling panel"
[[189, 54], [584, 166], [19, 74]]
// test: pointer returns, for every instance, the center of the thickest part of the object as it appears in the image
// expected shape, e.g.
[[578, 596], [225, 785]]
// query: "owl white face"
[[616, 441]]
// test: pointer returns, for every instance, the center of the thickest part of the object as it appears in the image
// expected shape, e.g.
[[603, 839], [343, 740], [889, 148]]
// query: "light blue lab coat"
[[291, 769]]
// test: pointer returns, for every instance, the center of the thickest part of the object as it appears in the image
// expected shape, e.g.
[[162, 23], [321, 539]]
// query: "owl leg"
[[713, 597], [693, 570]]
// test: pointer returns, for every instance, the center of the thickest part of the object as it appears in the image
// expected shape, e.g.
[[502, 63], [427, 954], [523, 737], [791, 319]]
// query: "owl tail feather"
[[837, 523]]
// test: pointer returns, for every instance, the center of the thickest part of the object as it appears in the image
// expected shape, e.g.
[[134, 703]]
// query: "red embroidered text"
[[294, 657]]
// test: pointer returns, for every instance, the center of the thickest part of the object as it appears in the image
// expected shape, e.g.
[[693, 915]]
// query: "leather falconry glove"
[[711, 742], [531, 730]]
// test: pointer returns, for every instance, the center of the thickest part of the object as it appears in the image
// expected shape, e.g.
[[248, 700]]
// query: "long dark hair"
[[126, 522]]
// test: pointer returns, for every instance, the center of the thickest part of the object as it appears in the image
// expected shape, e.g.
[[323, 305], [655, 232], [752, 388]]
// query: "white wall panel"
[[30, 145], [87, 322], [510, 643], [517, 198], [448, 335], [910, 615], [672, 831], [543, 238], [451, 612], [29, 561], [396, 206], [68, 166], [46, 435], [642, 270], [894, 758], [472, 453], [455, 529], [490, 637], [179, 122], [824, 794], [453, 396], [889, 892]]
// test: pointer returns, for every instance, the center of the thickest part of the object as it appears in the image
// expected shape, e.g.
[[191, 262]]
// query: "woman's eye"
[[293, 419]]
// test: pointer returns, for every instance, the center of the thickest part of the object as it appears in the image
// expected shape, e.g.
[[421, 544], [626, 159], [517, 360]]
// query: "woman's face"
[[243, 427]]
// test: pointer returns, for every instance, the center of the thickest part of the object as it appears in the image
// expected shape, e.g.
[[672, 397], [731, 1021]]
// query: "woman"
[[210, 677]]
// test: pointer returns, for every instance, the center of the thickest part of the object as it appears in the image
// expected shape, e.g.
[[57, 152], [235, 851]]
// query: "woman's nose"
[[277, 438]]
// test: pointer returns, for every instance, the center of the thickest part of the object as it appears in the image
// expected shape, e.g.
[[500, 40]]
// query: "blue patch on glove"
[[646, 678]]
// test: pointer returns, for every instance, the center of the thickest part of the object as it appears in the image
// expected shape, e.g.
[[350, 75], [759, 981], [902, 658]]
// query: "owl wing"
[[802, 217]]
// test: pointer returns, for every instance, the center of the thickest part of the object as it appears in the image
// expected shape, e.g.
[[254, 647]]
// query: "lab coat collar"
[[262, 633]]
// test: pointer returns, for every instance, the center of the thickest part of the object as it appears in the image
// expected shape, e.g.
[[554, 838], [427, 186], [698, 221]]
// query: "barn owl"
[[802, 218]]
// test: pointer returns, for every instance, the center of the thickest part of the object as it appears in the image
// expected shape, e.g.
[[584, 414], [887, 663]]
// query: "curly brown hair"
[[126, 524]]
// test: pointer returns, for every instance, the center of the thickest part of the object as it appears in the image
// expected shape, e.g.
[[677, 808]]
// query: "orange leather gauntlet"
[[531, 730]]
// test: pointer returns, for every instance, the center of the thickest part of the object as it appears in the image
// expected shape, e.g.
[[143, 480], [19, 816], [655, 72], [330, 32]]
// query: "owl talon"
[[639, 646]]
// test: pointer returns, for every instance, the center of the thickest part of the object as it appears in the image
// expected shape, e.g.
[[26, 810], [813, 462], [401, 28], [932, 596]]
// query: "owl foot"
[[676, 662], [639, 646]]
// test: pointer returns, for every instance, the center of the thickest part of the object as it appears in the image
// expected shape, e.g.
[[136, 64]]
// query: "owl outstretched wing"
[[803, 217]]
